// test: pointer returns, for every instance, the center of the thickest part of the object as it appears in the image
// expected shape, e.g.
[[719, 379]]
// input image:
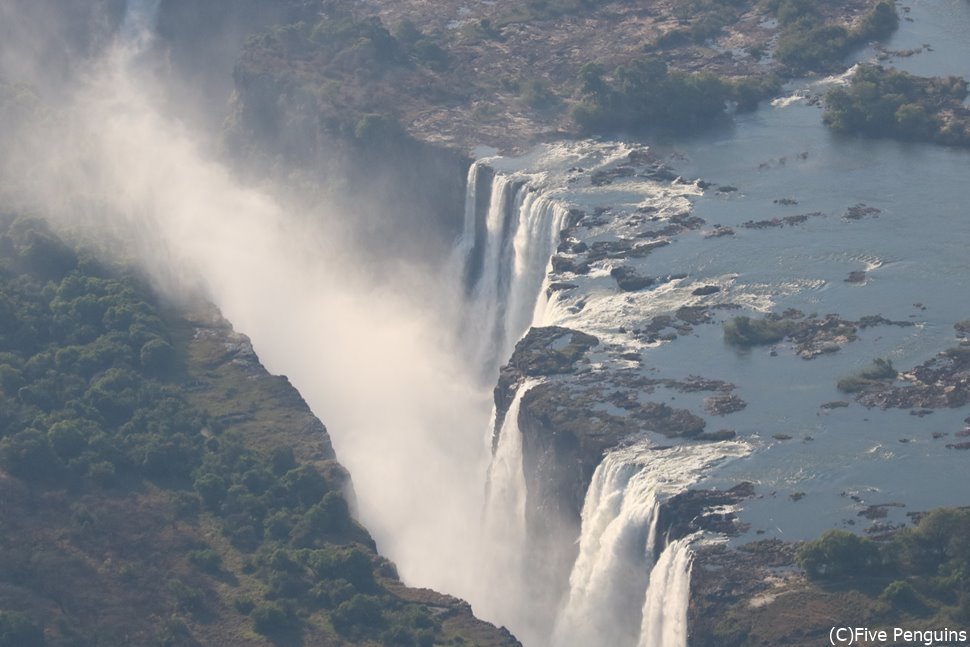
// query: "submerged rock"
[[860, 211], [714, 436], [705, 290]]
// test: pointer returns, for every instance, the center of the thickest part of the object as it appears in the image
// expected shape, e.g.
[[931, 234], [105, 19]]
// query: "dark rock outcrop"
[[629, 281], [695, 510], [542, 352]]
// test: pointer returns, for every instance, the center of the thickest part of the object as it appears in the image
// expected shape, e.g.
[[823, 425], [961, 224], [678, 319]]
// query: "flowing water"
[[629, 585], [814, 468], [402, 426]]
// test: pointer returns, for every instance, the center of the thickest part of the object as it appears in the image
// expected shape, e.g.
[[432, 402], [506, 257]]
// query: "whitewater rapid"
[[628, 586]]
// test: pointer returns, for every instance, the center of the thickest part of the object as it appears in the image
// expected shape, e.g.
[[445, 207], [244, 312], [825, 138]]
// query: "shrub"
[[281, 459], [376, 130], [881, 369], [157, 357], [212, 490], [838, 553], [103, 474], [330, 593], [29, 456], [243, 605], [900, 594], [359, 612], [644, 94], [941, 540], [206, 560], [270, 619], [305, 486], [431, 54], [330, 515], [174, 633], [350, 564], [745, 331], [68, 438], [536, 94], [811, 45], [879, 23], [188, 598]]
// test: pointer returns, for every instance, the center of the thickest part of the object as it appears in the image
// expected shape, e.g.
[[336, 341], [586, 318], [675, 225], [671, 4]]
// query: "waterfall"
[[505, 500], [504, 527], [617, 594], [668, 594], [504, 251], [467, 241], [610, 573], [540, 221]]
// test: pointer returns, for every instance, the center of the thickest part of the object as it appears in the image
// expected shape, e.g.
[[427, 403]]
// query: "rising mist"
[[374, 353]]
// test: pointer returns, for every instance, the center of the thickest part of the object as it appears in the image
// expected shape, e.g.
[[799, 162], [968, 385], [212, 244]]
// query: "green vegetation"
[[838, 553], [707, 18], [810, 43], [647, 96], [880, 371], [881, 102], [356, 63], [123, 472], [536, 94], [86, 366], [532, 10], [912, 578], [420, 47], [926, 568], [746, 332]]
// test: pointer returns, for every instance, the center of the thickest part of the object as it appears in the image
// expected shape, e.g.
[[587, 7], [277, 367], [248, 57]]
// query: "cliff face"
[[147, 456], [269, 412]]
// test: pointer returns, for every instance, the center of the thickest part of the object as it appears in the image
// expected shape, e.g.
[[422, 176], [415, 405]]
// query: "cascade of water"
[[617, 595], [504, 261], [610, 574], [487, 299], [541, 219], [668, 594], [504, 531], [467, 241]]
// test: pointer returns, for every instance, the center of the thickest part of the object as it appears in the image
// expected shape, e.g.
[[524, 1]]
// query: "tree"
[[157, 357], [941, 538], [838, 553], [28, 455], [359, 612], [212, 490], [270, 619], [593, 84]]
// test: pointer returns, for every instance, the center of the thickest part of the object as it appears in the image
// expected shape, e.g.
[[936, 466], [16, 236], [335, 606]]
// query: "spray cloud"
[[375, 359]]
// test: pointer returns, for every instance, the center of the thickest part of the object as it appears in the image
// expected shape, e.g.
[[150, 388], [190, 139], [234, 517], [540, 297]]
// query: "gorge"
[[522, 354]]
